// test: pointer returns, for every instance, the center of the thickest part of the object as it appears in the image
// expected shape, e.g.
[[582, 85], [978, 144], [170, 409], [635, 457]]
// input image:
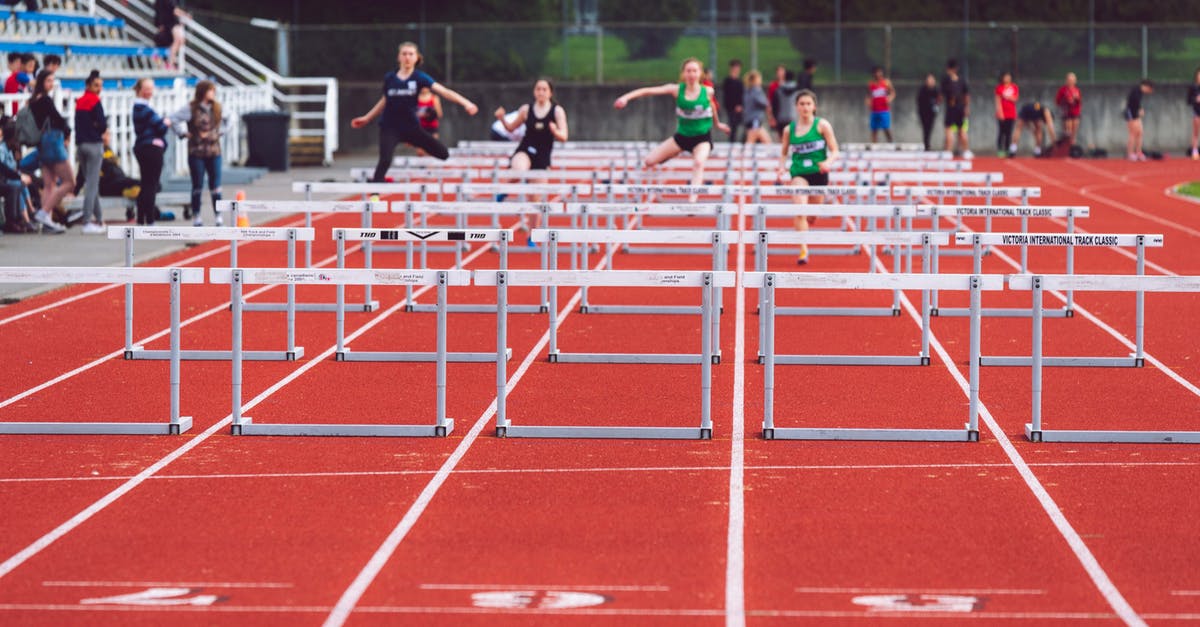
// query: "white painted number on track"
[[530, 599], [156, 596], [919, 603]]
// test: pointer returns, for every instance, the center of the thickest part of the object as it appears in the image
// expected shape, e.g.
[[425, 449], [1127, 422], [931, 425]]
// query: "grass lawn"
[[1189, 189]]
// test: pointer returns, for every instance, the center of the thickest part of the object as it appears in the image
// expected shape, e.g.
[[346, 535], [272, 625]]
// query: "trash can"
[[267, 139]]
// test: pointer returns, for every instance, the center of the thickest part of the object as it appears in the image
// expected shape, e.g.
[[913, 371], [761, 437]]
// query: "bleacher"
[[85, 42]]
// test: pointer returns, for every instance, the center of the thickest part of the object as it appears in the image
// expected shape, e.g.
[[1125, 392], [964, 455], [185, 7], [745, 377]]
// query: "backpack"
[[28, 132]]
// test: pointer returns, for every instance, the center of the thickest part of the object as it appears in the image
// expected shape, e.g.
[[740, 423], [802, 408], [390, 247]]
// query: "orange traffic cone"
[[242, 219]]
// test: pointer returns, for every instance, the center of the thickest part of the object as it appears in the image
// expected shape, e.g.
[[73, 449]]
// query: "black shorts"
[[816, 179], [1130, 115], [687, 143], [538, 160], [954, 116], [1032, 115]]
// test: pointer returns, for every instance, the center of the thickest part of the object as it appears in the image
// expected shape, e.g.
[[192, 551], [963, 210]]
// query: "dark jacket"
[[90, 122], [147, 125]]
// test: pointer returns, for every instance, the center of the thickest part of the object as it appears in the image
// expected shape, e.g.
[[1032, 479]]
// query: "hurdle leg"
[[444, 424], [367, 250], [706, 358], [767, 350], [501, 353], [408, 257], [291, 300], [129, 347], [552, 310], [176, 427], [1033, 431], [1139, 356], [340, 309], [1071, 265], [238, 421], [973, 366]]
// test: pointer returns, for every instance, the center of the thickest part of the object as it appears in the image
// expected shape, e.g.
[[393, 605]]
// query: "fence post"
[[599, 55], [837, 41], [1015, 69], [449, 54], [887, 49], [753, 42], [1145, 51]]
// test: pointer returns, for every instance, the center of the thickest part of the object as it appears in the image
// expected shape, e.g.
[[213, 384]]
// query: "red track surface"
[[256, 531]]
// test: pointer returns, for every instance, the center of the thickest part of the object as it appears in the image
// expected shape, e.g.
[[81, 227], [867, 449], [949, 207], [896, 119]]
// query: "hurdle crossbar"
[[1140, 284], [770, 282], [707, 281], [238, 277], [174, 277]]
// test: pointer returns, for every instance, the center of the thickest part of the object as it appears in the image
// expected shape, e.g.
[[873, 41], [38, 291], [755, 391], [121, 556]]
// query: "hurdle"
[[307, 207], [707, 281], [1140, 284], [219, 233], [873, 192], [174, 277], [770, 282], [1134, 360], [238, 277]]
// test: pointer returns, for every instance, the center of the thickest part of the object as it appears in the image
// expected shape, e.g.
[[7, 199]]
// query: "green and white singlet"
[[808, 150], [695, 116]]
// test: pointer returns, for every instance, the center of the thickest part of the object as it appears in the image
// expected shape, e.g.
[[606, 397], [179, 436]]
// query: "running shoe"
[[220, 220], [93, 228], [47, 222], [198, 221]]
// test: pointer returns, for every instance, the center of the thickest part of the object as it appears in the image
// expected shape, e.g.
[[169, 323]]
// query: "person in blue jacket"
[[398, 107], [150, 141]]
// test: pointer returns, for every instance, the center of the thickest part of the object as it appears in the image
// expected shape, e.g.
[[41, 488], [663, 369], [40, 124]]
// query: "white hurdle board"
[[408, 235], [366, 208], [231, 234], [1038, 284], [174, 277], [238, 277], [770, 282], [1094, 240], [706, 281]]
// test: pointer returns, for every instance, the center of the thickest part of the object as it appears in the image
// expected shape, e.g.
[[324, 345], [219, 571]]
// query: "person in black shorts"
[[1037, 118], [1133, 118], [733, 92], [545, 122], [1193, 100], [398, 106], [957, 98]]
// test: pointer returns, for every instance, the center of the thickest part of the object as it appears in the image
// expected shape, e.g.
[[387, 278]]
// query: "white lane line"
[[75, 521], [550, 586], [904, 590], [166, 584], [1089, 562], [735, 552], [630, 469], [350, 597]]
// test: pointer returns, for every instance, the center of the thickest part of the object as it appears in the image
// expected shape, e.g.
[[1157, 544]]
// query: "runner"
[[695, 106], [879, 101], [545, 121], [398, 106], [813, 148]]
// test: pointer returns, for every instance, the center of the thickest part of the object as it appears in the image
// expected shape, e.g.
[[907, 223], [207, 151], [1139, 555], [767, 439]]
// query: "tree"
[[646, 41]]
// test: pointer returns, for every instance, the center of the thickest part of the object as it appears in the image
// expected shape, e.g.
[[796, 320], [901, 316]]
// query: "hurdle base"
[[625, 358], [1001, 312], [631, 433], [466, 308], [882, 435], [666, 250], [347, 355], [247, 427], [1048, 362], [311, 307], [142, 354], [1125, 437], [640, 309], [848, 360], [883, 312], [96, 428]]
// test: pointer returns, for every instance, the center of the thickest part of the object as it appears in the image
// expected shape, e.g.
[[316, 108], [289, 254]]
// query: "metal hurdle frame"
[[1140, 284], [175, 277], [769, 282], [441, 308], [244, 425], [928, 242], [707, 281], [215, 233], [826, 191], [1140, 242], [308, 207], [888, 213]]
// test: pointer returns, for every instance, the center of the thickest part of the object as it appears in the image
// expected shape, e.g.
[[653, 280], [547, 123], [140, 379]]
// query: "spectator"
[[202, 122], [51, 62], [880, 95], [57, 178], [429, 113], [150, 133], [91, 126], [1134, 113], [14, 183], [167, 17], [756, 109], [1007, 94], [786, 111], [1039, 119], [733, 93], [772, 87], [957, 98], [1193, 100], [805, 79], [928, 99], [18, 81], [1070, 104]]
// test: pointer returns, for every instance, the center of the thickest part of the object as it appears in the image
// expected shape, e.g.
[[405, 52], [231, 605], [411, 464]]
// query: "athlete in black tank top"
[[538, 142]]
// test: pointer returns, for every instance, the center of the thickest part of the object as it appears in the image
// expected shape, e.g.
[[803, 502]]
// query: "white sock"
[[1012, 147]]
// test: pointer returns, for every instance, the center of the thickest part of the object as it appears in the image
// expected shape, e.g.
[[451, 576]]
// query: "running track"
[[472, 530]]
